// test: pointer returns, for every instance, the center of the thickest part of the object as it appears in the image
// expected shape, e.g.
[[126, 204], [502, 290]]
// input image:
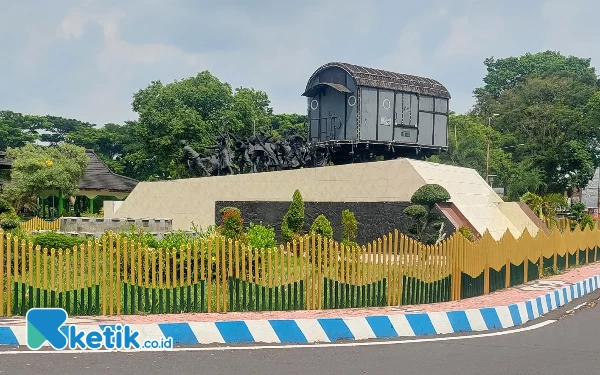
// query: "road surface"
[[568, 346]]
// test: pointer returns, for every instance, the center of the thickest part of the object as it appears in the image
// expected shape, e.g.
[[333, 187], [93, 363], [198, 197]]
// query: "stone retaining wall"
[[96, 225]]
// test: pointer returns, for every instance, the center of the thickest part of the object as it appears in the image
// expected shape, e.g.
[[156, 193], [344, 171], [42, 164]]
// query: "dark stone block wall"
[[374, 218]]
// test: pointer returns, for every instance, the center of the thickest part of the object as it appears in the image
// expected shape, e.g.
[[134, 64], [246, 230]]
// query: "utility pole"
[[489, 140]]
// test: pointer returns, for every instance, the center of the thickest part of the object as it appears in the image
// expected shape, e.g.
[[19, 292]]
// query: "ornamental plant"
[[349, 228], [423, 219], [232, 225], [322, 227], [293, 221]]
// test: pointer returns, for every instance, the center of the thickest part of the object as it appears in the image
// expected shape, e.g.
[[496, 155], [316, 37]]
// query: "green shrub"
[[9, 220], [175, 240], [349, 226], [5, 206], [232, 225], [286, 233], [348, 244], [54, 240], [467, 233], [260, 237], [415, 211], [225, 209], [293, 221], [425, 224], [9, 224], [586, 221], [322, 226], [430, 194]]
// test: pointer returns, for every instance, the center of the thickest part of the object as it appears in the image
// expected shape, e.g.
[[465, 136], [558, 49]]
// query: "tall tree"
[[36, 169], [506, 73], [17, 129], [195, 109], [546, 115], [56, 129]]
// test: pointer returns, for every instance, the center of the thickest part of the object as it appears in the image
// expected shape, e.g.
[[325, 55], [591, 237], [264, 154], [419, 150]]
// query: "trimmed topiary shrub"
[[430, 194], [424, 219], [415, 211], [321, 226], [293, 221], [349, 226]]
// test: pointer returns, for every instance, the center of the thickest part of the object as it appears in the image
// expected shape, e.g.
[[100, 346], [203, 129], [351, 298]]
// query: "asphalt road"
[[570, 346]]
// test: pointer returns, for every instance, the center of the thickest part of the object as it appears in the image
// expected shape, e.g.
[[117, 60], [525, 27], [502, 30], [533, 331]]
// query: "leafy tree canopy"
[[36, 169]]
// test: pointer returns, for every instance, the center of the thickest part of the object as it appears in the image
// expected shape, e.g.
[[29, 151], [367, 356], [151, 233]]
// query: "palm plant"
[[546, 207]]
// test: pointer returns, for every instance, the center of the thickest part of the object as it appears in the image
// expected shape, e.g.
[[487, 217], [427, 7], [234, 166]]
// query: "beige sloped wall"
[[194, 199], [518, 217]]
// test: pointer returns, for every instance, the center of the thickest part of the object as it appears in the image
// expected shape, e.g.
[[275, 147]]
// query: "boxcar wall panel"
[[441, 105], [351, 110], [404, 120], [332, 113], [440, 130], [368, 109], [425, 128], [313, 109], [386, 116]]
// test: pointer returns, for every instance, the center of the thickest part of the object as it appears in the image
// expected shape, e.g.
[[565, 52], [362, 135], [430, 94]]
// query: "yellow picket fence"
[[114, 275], [37, 223]]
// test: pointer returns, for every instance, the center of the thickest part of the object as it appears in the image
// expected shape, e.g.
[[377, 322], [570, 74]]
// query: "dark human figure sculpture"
[[257, 153], [193, 160]]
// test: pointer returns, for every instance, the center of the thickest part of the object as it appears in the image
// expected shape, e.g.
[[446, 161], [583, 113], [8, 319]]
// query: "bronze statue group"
[[259, 153]]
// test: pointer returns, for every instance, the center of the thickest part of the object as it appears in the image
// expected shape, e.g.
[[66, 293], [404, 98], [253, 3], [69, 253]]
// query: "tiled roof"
[[388, 80], [99, 177]]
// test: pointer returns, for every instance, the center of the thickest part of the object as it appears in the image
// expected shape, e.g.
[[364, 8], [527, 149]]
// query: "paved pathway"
[[503, 297]]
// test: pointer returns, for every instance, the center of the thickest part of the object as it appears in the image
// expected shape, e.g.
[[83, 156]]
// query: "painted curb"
[[298, 331]]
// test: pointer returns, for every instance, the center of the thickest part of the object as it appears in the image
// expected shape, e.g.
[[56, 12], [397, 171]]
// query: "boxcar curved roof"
[[387, 80]]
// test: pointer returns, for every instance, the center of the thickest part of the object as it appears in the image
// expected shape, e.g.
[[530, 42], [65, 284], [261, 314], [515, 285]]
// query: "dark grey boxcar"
[[350, 104]]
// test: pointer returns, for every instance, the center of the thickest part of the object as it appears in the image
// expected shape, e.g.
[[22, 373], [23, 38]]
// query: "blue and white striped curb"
[[351, 328]]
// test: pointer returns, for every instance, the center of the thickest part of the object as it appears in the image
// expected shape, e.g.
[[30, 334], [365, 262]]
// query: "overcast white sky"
[[84, 59]]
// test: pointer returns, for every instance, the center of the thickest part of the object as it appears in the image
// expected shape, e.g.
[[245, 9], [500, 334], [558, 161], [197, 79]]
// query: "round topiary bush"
[[321, 226], [430, 194], [416, 210]]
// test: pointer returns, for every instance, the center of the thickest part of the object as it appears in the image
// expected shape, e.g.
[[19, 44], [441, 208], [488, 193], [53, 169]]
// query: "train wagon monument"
[[356, 115]]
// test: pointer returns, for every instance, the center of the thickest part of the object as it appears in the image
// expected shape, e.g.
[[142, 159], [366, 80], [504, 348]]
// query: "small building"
[[99, 183], [371, 107], [4, 162]]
